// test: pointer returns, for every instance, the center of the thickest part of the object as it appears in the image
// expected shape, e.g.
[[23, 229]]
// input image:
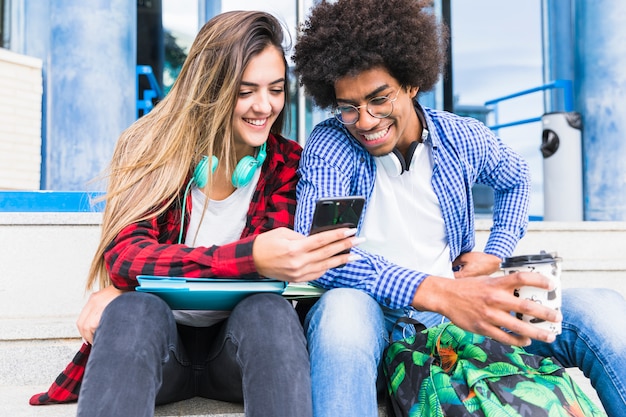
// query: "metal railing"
[[146, 96], [568, 102]]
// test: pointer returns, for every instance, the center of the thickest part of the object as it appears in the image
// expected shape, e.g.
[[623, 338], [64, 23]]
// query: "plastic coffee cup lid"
[[539, 258]]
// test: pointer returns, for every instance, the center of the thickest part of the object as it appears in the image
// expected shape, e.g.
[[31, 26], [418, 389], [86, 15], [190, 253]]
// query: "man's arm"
[[507, 173], [499, 167], [332, 165]]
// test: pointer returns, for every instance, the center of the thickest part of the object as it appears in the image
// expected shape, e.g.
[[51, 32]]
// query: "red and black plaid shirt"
[[150, 247]]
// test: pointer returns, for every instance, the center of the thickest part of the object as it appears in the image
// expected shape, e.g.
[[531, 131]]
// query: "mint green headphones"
[[242, 175]]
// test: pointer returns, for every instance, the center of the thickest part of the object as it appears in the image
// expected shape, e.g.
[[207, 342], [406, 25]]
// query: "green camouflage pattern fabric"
[[447, 371]]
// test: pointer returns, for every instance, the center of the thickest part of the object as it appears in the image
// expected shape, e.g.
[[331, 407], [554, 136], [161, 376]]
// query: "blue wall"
[[585, 41], [207, 9], [88, 51], [601, 95]]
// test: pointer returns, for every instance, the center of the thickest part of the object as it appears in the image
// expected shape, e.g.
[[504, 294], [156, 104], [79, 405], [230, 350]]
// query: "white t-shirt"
[[403, 221], [223, 223]]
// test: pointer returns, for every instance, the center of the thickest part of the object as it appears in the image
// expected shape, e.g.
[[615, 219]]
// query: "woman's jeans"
[[140, 358], [347, 331]]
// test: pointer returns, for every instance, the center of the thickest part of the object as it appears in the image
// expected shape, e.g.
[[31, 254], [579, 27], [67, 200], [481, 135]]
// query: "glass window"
[[285, 11], [4, 24], [497, 51], [180, 25]]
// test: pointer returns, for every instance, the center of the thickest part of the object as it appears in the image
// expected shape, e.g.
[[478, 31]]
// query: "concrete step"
[[29, 367], [42, 293], [14, 403]]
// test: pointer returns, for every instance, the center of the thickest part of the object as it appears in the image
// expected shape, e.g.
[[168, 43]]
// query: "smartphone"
[[335, 212]]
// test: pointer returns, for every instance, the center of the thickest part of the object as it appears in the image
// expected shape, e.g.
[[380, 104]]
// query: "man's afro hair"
[[349, 36]]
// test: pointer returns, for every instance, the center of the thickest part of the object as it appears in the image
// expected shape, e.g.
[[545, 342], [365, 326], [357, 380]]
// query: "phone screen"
[[336, 212]]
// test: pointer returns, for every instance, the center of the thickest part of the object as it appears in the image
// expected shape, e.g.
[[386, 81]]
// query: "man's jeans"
[[140, 357], [347, 331]]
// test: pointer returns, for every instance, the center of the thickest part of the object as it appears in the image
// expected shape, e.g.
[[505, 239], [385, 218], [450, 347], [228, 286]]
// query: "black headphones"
[[242, 175], [395, 164]]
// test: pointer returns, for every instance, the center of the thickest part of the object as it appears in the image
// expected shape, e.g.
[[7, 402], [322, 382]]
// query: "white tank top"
[[223, 223]]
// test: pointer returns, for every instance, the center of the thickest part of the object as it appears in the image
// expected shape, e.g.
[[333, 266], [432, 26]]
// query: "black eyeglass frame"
[[337, 109]]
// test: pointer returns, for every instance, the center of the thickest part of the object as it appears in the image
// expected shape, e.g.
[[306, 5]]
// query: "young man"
[[367, 60]]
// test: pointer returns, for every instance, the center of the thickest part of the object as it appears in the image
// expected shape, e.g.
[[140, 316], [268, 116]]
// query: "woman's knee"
[[267, 313], [136, 304], [263, 306], [136, 313]]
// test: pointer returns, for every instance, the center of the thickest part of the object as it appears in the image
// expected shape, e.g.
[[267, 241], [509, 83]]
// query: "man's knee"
[[592, 312], [345, 316]]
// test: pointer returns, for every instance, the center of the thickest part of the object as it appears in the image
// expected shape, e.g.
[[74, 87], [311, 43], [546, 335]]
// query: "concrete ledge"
[[43, 271], [16, 219], [28, 367], [14, 403], [44, 268], [39, 328]]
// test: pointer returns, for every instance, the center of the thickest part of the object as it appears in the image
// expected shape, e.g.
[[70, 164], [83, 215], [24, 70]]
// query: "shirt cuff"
[[235, 259], [501, 244], [397, 289]]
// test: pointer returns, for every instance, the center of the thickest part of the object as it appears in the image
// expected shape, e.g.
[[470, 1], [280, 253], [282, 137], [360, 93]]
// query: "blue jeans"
[[347, 331], [141, 357]]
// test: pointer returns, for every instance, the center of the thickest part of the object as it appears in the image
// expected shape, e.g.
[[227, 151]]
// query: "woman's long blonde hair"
[[155, 157]]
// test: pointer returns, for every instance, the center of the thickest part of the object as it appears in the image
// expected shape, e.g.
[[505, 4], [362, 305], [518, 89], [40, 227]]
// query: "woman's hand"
[[89, 317], [289, 256]]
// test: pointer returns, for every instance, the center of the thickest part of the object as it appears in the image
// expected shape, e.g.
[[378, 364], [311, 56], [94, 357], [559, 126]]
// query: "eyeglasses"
[[378, 107]]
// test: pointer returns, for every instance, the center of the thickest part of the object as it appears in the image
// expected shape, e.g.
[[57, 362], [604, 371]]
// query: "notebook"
[[205, 293], [219, 293]]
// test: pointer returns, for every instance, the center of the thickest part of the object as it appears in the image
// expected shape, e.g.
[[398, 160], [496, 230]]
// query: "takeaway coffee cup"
[[548, 265]]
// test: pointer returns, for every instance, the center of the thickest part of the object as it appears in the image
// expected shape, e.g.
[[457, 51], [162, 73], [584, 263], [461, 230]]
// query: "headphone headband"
[[242, 174]]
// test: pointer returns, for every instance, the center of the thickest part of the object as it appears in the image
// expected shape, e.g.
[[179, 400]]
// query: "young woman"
[[203, 186]]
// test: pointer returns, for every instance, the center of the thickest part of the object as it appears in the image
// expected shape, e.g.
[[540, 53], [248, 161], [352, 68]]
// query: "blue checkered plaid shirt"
[[464, 152]]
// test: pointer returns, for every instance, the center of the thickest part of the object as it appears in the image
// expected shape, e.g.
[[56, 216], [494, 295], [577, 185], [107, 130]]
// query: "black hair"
[[350, 36]]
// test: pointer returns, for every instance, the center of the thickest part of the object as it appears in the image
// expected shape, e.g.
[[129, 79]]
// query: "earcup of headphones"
[[245, 169], [394, 162], [410, 153], [201, 173]]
